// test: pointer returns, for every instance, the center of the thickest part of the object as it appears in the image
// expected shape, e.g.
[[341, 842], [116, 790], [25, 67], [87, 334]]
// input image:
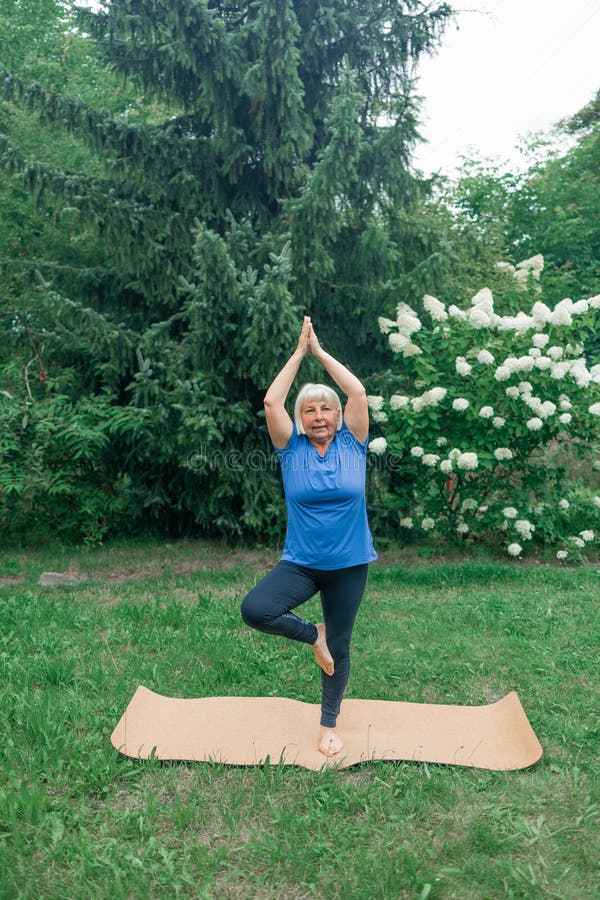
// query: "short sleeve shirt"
[[325, 498]]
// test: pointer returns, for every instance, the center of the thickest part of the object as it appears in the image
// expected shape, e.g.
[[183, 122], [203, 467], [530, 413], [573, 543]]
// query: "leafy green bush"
[[57, 479], [499, 396]]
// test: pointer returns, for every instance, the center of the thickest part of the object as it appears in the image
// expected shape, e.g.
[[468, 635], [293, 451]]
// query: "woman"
[[328, 544]]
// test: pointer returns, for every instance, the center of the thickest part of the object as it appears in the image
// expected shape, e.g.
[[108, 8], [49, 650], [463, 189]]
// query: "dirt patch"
[[11, 579]]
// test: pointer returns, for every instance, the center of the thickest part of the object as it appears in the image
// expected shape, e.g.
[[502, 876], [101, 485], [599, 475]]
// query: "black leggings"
[[268, 608]]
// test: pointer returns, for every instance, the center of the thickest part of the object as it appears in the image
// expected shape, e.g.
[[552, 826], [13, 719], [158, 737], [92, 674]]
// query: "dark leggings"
[[268, 608]]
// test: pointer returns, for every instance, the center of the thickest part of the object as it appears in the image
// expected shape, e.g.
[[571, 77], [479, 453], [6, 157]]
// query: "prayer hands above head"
[[303, 341]]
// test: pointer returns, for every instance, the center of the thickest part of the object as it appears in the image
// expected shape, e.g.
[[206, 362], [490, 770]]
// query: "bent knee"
[[253, 614]]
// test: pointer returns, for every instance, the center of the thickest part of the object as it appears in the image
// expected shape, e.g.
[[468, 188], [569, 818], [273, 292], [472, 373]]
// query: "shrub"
[[57, 477], [500, 396]]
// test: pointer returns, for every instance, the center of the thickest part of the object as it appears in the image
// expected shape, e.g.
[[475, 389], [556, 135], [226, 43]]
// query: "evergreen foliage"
[[253, 166]]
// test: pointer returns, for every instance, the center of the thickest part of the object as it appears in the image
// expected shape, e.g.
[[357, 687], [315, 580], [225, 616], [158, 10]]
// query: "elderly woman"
[[328, 544]]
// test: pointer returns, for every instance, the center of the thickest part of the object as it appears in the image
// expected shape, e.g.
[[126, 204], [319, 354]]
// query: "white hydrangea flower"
[[436, 395], [514, 549], [565, 418], [462, 528], [375, 402], [513, 392], [467, 461], [561, 315], [454, 454], [397, 401], [483, 298], [542, 363], [564, 402], [535, 265], [502, 373], [446, 466], [554, 353], [534, 403], [577, 541], [411, 350], [581, 306], [441, 441], [526, 363], [534, 424], [523, 323], [512, 364], [559, 370], [594, 409], [541, 315], [462, 366], [587, 535], [378, 445], [456, 313], [385, 325], [430, 459], [503, 453], [460, 404], [406, 522], [436, 310], [379, 416], [398, 342], [596, 500], [407, 321], [417, 451], [534, 352], [540, 340], [547, 409], [509, 512], [594, 302], [485, 357], [564, 504], [479, 317], [525, 387], [468, 504], [418, 403], [524, 528], [498, 421], [580, 373], [427, 524], [561, 554], [486, 412]]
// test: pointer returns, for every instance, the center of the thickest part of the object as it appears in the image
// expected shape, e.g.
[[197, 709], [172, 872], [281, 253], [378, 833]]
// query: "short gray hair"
[[314, 392]]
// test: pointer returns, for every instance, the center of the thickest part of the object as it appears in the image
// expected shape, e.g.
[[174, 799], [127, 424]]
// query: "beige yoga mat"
[[244, 731]]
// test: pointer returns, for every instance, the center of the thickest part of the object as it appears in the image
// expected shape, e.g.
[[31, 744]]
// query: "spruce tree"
[[271, 179]]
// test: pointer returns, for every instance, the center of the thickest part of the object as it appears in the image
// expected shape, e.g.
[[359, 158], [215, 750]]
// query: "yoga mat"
[[244, 731]]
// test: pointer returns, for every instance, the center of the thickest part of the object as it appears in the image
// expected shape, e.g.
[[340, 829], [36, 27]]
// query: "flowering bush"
[[505, 405]]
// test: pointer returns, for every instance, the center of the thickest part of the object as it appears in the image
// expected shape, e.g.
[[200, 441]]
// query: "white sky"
[[513, 67]]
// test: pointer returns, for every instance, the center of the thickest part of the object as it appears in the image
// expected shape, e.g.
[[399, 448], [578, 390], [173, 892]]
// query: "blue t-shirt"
[[325, 498]]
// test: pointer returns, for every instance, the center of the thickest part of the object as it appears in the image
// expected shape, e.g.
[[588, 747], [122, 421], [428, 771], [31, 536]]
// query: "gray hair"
[[314, 392]]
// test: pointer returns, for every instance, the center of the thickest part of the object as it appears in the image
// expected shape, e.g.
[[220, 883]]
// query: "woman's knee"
[[253, 611]]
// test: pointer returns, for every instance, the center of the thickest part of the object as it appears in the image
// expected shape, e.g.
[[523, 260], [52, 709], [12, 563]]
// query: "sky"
[[512, 67]]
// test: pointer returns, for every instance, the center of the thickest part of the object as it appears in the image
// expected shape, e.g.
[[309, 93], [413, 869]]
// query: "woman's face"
[[320, 420]]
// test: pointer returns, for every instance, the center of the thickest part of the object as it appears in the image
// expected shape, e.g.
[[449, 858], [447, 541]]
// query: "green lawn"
[[78, 820]]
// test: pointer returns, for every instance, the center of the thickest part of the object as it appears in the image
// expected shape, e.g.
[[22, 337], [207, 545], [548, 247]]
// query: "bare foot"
[[329, 742], [323, 657]]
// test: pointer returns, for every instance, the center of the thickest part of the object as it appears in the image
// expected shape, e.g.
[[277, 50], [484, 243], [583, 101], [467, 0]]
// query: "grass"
[[79, 820]]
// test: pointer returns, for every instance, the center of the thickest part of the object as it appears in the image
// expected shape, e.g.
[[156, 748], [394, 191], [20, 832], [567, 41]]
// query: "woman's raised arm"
[[356, 412], [279, 422]]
